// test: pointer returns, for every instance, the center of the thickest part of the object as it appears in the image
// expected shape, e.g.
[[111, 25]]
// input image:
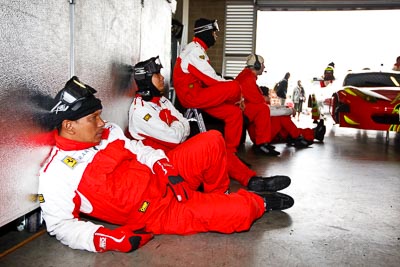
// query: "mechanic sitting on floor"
[[284, 130], [266, 125], [94, 169], [255, 107], [155, 121]]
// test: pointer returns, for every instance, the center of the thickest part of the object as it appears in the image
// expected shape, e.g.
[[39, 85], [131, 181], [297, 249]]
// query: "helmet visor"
[[211, 26], [147, 68], [72, 96]]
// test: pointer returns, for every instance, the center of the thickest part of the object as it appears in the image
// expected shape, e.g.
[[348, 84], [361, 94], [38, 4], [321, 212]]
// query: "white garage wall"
[[35, 60]]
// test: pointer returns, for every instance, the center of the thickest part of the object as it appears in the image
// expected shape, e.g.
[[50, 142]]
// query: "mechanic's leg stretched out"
[[201, 160], [210, 212]]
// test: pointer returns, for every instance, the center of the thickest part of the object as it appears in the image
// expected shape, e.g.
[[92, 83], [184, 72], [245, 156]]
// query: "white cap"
[[251, 59]]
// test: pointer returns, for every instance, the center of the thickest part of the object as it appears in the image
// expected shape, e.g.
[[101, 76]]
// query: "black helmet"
[[143, 72], [73, 102], [204, 28], [202, 25]]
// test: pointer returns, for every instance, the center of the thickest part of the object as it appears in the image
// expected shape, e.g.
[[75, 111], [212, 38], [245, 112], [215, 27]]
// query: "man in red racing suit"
[[94, 169], [284, 130], [155, 121], [198, 86], [270, 124], [255, 108]]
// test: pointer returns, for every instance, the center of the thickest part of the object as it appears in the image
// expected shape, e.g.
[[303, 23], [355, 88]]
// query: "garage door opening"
[[304, 42]]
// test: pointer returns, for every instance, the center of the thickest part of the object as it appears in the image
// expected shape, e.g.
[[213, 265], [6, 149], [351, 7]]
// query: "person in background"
[[315, 112], [396, 66], [298, 97], [281, 89], [329, 72], [328, 76], [255, 108], [197, 85], [95, 170], [155, 121]]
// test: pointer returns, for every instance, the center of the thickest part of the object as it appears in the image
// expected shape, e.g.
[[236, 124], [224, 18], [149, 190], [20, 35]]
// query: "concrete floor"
[[347, 213]]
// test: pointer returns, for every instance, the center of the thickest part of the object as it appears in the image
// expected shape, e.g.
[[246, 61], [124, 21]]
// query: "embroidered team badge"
[[70, 162], [41, 198], [144, 206], [147, 117], [202, 57]]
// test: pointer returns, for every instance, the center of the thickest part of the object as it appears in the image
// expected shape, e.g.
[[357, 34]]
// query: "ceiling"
[[301, 5]]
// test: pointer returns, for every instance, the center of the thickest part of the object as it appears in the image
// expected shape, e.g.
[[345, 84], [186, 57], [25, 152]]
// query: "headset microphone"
[[257, 64]]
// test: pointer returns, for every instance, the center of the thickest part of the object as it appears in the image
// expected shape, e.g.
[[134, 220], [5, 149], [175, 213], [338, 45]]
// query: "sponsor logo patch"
[[147, 117], [41, 198], [144, 206], [103, 242], [202, 57], [70, 162]]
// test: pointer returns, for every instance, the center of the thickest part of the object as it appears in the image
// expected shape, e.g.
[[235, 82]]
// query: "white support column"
[[71, 37], [185, 22]]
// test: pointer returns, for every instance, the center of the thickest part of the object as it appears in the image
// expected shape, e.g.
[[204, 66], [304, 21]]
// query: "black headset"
[[257, 64]]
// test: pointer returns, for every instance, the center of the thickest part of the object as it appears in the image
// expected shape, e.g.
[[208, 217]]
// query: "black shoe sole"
[[276, 183], [277, 201], [272, 153], [269, 184], [269, 146], [302, 144]]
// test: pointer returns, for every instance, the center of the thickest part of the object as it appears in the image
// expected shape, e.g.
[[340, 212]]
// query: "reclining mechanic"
[[94, 169]]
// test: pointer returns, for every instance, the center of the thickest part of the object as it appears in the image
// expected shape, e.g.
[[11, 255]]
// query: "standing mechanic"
[[154, 120], [198, 86], [94, 169]]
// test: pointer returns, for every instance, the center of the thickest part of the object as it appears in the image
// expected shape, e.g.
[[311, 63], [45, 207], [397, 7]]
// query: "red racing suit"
[[283, 126], [256, 109], [146, 124], [198, 86], [113, 181], [266, 123]]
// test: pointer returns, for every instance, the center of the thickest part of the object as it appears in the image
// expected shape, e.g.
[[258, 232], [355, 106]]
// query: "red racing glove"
[[120, 239], [171, 178], [167, 117]]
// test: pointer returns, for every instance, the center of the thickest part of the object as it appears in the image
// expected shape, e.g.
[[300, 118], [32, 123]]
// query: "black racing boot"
[[301, 142], [269, 184], [277, 201], [266, 149], [319, 131], [269, 146], [290, 141]]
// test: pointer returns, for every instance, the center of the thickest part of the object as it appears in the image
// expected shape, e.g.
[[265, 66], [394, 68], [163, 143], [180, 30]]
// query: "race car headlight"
[[365, 97]]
